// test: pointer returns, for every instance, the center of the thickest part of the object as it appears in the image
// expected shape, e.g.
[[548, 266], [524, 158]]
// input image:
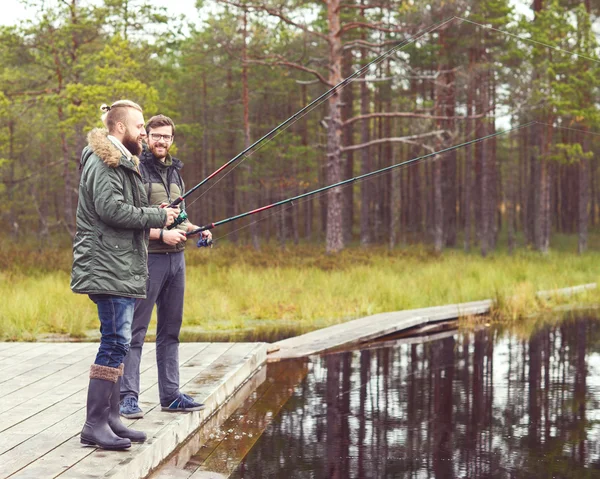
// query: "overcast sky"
[[13, 11]]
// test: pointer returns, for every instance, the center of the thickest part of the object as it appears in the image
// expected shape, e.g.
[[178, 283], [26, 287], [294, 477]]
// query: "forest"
[[443, 73]]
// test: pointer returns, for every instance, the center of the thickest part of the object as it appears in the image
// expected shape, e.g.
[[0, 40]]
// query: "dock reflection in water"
[[484, 404]]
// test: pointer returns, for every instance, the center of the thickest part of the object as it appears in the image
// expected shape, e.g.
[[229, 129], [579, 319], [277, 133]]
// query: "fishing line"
[[310, 107], [401, 166], [537, 42], [355, 179]]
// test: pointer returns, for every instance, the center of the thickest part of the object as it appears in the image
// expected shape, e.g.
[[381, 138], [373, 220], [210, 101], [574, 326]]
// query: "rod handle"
[[176, 202], [209, 226]]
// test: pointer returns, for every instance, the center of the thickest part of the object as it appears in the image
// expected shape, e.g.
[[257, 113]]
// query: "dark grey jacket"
[[113, 221]]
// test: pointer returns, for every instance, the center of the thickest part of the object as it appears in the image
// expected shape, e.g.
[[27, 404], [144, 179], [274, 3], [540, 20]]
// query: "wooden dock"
[[42, 406], [363, 330]]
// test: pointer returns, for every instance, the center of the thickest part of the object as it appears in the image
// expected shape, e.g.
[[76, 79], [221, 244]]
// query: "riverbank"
[[236, 292]]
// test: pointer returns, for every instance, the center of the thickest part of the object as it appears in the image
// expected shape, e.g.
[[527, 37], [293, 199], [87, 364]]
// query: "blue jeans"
[[116, 315]]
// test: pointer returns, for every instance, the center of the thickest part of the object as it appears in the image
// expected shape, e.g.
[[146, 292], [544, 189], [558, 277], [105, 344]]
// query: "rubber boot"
[[96, 431], [114, 420]]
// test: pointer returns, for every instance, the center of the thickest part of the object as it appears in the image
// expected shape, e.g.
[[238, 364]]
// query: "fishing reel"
[[180, 219], [204, 242]]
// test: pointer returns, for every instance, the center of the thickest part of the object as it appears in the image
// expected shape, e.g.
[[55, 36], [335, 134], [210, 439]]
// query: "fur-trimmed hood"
[[99, 144]]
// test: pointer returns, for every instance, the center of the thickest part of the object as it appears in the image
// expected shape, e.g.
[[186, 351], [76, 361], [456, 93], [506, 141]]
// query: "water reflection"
[[475, 405]]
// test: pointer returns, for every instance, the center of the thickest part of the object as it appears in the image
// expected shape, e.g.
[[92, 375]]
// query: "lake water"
[[490, 403]]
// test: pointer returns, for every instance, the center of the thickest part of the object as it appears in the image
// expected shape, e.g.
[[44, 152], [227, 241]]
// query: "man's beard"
[[159, 156], [132, 144]]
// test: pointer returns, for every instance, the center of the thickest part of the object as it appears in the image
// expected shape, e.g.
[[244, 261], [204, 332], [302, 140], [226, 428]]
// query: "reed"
[[234, 290]]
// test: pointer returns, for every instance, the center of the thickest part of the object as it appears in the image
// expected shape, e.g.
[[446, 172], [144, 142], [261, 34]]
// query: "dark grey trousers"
[[166, 285]]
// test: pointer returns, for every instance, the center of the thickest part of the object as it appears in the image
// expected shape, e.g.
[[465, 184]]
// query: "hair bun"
[[105, 108]]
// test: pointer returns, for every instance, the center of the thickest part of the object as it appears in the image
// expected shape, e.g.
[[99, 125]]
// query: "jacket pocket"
[[117, 243]]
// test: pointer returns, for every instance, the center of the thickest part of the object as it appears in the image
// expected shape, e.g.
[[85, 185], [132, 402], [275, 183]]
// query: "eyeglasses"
[[157, 137]]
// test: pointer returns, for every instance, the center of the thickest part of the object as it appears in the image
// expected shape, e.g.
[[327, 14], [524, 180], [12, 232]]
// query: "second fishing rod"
[[204, 242]]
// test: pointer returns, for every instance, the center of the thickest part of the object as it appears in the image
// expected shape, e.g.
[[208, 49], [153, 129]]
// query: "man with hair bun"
[[110, 259], [166, 264]]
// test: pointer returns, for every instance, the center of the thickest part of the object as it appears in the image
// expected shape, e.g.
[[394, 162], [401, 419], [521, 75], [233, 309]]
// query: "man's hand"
[[172, 214], [205, 234], [173, 237]]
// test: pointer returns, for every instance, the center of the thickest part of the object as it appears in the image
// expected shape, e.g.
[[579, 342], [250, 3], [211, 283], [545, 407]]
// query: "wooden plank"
[[53, 389], [198, 365], [5, 347], [423, 339], [29, 357], [39, 435], [40, 372], [365, 329], [215, 384], [25, 363], [570, 291]]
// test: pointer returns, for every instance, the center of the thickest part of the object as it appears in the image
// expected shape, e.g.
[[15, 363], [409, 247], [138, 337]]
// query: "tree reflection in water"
[[477, 405]]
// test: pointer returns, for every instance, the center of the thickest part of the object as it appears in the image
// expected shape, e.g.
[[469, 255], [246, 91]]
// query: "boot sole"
[[87, 442], [135, 415]]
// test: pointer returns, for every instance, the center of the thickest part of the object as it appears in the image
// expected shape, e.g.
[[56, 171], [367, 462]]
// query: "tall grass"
[[236, 289]]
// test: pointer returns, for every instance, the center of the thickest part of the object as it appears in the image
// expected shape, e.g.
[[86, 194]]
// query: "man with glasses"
[[166, 282]]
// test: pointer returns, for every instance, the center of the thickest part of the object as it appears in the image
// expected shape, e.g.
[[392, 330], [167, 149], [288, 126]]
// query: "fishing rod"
[[206, 242], [268, 136]]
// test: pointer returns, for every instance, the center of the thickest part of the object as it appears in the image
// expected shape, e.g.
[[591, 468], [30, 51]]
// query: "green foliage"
[[570, 153]]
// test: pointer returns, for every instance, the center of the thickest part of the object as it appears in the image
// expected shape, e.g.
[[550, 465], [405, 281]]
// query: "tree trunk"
[[438, 196], [246, 107], [12, 219], [540, 176], [308, 204], [449, 184], [334, 234], [438, 211], [347, 108], [231, 175], [593, 189], [543, 219], [390, 205], [468, 210], [510, 197], [394, 207], [365, 186], [486, 213], [584, 197]]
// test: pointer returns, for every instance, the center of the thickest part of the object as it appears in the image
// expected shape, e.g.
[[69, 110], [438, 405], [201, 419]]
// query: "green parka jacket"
[[110, 248]]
